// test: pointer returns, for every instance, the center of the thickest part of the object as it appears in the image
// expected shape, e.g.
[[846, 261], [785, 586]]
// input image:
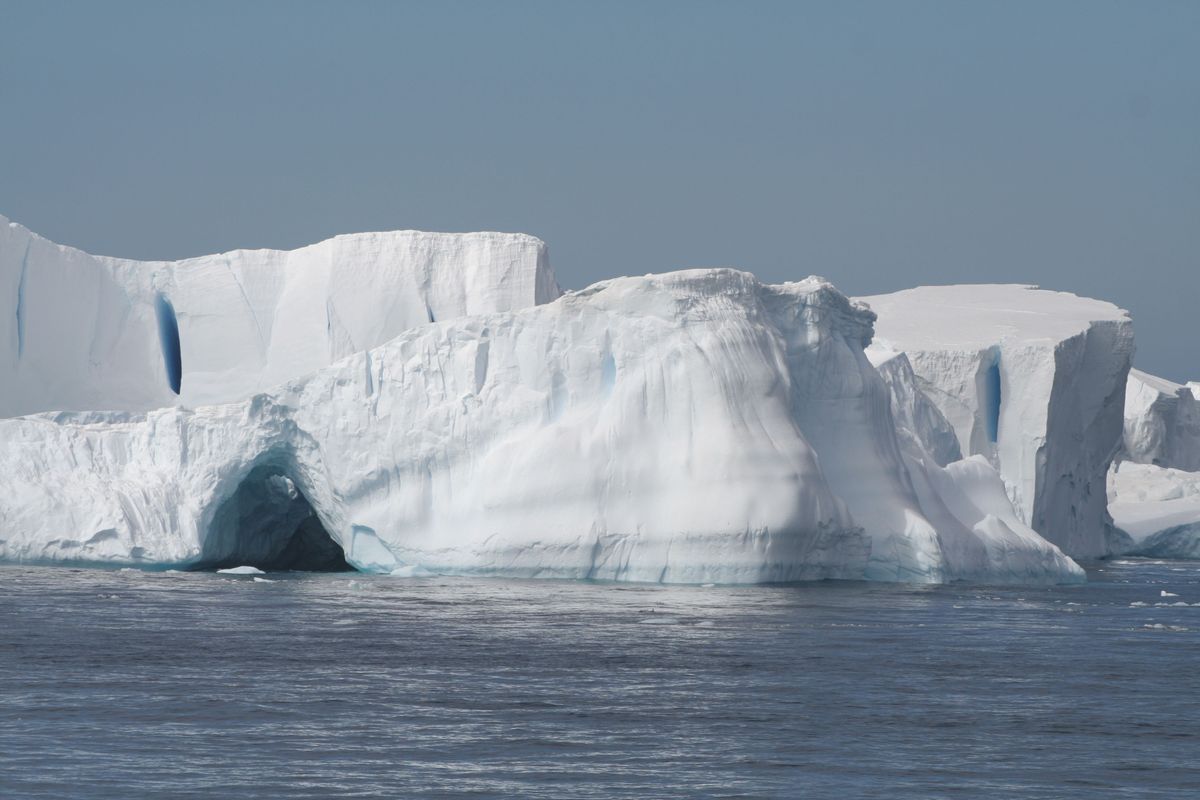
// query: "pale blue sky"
[[882, 145]]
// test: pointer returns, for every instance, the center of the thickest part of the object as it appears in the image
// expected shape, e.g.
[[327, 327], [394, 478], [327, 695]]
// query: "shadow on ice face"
[[267, 523]]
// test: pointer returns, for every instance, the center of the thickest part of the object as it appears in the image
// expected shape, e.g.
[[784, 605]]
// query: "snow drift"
[[691, 427], [1033, 381]]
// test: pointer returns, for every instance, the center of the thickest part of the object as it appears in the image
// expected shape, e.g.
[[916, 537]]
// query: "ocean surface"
[[126, 684]]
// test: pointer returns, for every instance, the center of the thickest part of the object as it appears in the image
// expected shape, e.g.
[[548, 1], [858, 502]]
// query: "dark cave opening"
[[268, 523]]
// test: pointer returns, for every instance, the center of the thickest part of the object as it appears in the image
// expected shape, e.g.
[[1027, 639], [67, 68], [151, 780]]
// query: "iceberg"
[[86, 333], [927, 430], [1158, 507], [1154, 489], [1031, 380], [1162, 422], [243, 570], [465, 416], [979, 532]]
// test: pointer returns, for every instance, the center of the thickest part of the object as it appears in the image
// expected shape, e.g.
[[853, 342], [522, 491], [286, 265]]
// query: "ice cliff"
[[689, 427], [1031, 380], [1162, 422], [1154, 489], [1158, 507], [84, 332]]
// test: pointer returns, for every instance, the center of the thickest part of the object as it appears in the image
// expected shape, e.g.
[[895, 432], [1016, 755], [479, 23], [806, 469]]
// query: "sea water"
[[130, 684]]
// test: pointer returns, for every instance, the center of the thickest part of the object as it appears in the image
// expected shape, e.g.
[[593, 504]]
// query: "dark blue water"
[[140, 685]]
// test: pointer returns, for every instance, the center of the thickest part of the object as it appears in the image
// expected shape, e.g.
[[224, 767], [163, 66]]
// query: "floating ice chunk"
[[241, 571], [410, 571]]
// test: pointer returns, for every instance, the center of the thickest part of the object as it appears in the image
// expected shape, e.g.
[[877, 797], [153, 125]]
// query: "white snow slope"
[[1162, 422], [82, 332], [690, 427], [1031, 380]]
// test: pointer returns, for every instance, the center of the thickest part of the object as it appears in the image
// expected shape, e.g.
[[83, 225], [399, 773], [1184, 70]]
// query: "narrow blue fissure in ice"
[[168, 337], [608, 373], [21, 303], [992, 388]]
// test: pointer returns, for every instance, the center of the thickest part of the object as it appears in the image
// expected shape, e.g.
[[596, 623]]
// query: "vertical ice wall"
[[1032, 380], [1154, 492], [85, 332], [1162, 422]]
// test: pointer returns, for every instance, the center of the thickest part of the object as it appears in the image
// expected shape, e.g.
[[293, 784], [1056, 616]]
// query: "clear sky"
[[882, 145]]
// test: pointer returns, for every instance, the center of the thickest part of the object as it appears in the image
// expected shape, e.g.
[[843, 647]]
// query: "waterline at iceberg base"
[[690, 427]]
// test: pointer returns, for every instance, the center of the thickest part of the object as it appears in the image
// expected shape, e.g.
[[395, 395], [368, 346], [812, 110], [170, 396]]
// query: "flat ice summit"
[[408, 402]]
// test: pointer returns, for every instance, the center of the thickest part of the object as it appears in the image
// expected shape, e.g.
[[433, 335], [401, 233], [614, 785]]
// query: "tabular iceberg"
[[691, 427], [1031, 380], [85, 332]]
